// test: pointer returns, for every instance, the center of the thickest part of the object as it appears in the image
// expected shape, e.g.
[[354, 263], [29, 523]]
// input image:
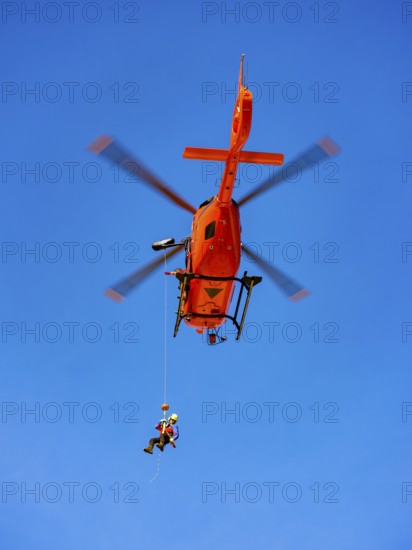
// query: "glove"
[[171, 439], [162, 421]]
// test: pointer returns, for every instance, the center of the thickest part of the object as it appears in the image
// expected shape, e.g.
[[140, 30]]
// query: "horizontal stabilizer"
[[203, 153], [261, 158]]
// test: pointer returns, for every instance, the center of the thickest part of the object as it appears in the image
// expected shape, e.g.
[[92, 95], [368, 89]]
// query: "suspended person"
[[169, 432]]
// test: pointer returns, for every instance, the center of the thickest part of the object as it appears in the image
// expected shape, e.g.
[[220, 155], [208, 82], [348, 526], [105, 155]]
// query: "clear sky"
[[298, 436]]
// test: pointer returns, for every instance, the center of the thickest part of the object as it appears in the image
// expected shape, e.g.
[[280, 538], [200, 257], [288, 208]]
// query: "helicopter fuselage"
[[214, 258]]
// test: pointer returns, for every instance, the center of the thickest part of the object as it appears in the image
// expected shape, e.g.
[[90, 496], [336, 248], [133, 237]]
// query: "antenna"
[[241, 81]]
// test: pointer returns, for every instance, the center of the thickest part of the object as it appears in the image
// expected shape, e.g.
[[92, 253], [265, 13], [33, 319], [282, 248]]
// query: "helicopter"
[[213, 249]]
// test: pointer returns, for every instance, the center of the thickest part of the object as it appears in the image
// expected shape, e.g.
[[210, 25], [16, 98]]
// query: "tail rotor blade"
[[325, 148], [293, 290], [121, 289], [111, 150]]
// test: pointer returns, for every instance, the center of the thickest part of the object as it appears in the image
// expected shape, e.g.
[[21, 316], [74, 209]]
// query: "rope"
[[165, 335], [158, 469], [165, 367]]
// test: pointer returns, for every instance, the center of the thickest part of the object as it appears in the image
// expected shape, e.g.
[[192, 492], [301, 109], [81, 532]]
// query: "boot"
[[148, 450], [160, 446]]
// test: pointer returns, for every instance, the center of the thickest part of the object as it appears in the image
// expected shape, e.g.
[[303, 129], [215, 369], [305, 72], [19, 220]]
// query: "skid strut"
[[247, 282]]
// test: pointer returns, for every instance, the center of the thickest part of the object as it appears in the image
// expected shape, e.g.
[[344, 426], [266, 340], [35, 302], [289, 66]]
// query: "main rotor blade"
[[293, 290], [326, 147], [111, 150], [123, 287]]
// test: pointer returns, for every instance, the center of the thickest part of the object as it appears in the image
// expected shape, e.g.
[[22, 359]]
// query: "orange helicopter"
[[213, 250]]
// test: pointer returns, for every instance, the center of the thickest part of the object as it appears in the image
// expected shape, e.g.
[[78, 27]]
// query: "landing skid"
[[246, 282]]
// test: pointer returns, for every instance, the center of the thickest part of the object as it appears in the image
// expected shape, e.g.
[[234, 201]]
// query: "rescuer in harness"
[[169, 432]]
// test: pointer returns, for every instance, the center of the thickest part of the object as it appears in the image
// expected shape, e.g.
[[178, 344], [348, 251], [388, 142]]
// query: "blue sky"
[[317, 451]]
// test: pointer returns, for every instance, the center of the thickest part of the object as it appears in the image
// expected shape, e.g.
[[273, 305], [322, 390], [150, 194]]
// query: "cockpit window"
[[210, 230]]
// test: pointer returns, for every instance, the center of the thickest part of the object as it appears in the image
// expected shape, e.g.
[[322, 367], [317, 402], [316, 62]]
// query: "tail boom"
[[241, 124]]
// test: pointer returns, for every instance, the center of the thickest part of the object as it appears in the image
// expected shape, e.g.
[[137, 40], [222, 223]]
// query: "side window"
[[210, 230]]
